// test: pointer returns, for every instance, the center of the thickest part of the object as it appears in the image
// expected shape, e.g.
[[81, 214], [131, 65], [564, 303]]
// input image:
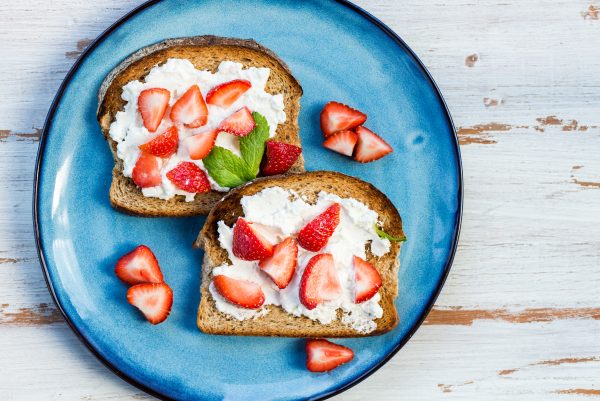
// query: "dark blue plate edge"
[[36, 224]]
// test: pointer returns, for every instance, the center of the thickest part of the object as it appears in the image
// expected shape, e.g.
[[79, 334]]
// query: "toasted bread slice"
[[205, 53], [278, 322]]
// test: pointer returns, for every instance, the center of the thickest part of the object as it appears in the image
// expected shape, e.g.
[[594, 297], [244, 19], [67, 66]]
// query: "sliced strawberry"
[[370, 146], [146, 172], [366, 280], [139, 266], [319, 281], [226, 94], [239, 123], [282, 265], [152, 104], [153, 300], [201, 144], [323, 355], [249, 244], [190, 110], [342, 142], [280, 157], [189, 177], [337, 117], [163, 145], [243, 293], [316, 233]]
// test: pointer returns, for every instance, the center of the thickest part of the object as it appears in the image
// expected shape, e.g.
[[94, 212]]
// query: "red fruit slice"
[[190, 110], [226, 94], [280, 157], [163, 145], [282, 264], [239, 123], [316, 233], [201, 144], [153, 300], [139, 266], [189, 177], [323, 355], [249, 244], [370, 146], [342, 142], [366, 280], [152, 104], [319, 281], [243, 293], [337, 117], [146, 172]]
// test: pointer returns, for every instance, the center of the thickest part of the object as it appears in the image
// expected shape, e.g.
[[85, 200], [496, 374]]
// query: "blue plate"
[[338, 52]]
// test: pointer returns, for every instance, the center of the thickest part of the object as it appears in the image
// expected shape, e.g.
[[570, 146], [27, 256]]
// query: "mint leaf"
[[383, 234], [252, 146], [227, 169]]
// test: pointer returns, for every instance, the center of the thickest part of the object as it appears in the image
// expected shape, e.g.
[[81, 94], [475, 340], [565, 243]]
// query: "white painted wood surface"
[[519, 317]]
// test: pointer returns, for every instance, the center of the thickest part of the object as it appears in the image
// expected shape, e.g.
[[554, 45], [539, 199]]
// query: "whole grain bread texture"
[[278, 322], [205, 53]]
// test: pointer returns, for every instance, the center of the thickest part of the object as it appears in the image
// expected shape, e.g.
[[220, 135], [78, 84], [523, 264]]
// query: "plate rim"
[[338, 389]]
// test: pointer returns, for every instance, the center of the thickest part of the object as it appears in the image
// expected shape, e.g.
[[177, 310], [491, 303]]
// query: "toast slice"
[[205, 53], [278, 322]]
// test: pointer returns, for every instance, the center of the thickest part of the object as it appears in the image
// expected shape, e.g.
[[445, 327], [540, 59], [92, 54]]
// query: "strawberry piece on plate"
[[239, 123], [316, 233], [146, 172], [189, 177], [163, 145], [190, 109], [243, 293], [366, 280], [338, 117], [323, 355], [370, 146], [226, 94], [249, 244], [152, 104], [282, 264], [153, 300], [319, 281], [280, 157], [139, 266], [342, 142], [200, 145]]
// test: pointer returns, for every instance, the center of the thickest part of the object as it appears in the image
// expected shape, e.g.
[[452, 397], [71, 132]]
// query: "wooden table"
[[519, 317]]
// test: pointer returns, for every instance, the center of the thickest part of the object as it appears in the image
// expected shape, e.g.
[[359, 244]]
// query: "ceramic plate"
[[338, 52]]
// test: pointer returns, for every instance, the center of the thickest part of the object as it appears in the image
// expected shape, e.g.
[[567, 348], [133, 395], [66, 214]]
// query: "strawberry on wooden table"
[[316, 233], [163, 145], [226, 94], [248, 243], [282, 264], [153, 300], [146, 172], [342, 142], [323, 355], [370, 146], [338, 117], [200, 145], [366, 280], [279, 157], [239, 123], [189, 177], [152, 104], [139, 266], [319, 281], [246, 294], [190, 109]]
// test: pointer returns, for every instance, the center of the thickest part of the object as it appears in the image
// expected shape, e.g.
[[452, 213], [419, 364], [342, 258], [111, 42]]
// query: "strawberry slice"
[[366, 279], [146, 172], [316, 233], [323, 355], [139, 266], [319, 281], [226, 94], [153, 300], [249, 244], [189, 177], [280, 157], [243, 293], [342, 142], [200, 145], [152, 104], [370, 146], [190, 110], [282, 265], [163, 145], [337, 117], [239, 123]]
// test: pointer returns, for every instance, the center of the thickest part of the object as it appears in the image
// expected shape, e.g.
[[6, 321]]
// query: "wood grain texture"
[[519, 316]]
